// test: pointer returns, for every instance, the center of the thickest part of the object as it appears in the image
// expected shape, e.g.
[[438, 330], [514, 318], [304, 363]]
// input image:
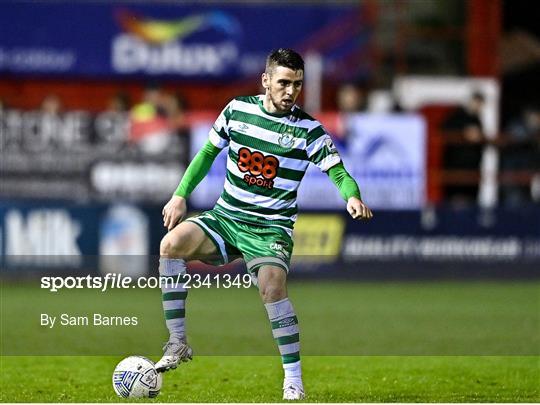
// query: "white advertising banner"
[[386, 154]]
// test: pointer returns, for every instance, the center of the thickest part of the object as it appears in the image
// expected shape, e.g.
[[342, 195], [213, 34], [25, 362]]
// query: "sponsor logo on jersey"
[[242, 128], [260, 169], [279, 247]]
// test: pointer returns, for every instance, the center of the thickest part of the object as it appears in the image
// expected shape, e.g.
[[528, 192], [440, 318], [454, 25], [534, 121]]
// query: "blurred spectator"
[[527, 126], [112, 125], [522, 152], [149, 127], [464, 141], [175, 107], [51, 105], [2, 126], [351, 98], [118, 103], [467, 119], [50, 132]]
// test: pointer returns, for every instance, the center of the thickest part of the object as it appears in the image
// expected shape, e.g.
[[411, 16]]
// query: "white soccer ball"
[[136, 377]]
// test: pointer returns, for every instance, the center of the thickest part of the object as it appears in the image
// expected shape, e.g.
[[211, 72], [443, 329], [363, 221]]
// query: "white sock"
[[174, 296], [286, 334]]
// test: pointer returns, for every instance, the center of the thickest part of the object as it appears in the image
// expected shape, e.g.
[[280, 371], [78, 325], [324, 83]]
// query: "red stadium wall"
[[92, 95]]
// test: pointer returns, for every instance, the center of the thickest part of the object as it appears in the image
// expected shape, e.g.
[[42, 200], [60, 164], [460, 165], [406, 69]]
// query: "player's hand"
[[358, 209], [174, 212]]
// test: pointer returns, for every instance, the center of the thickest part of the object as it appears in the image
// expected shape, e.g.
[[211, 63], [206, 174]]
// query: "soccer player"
[[271, 143]]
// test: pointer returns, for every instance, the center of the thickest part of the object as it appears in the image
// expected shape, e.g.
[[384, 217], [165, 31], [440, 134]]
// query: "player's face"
[[283, 85]]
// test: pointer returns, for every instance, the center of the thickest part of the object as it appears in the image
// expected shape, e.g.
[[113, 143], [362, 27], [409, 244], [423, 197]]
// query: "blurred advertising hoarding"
[[180, 40], [79, 156], [60, 238], [384, 153], [443, 234]]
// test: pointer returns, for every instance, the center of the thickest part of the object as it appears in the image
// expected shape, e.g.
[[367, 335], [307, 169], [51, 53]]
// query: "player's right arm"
[[175, 210]]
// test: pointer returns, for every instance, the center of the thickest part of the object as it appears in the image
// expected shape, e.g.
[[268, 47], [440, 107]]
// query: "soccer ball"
[[136, 377]]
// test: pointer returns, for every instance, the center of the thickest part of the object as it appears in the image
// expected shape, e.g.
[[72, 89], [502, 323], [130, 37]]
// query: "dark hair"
[[284, 57]]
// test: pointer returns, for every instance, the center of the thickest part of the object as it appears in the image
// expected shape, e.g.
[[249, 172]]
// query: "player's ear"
[[264, 80]]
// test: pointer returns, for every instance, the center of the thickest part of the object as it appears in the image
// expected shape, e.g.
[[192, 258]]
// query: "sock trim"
[[279, 309], [171, 267]]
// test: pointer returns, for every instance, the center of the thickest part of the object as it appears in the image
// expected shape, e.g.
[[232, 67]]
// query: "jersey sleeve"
[[346, 185], [321, 150], [219, 134], [197, 169]]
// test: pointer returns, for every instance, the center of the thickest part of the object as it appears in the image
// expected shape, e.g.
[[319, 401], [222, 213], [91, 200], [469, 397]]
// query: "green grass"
[[361, 342], [258, 379]]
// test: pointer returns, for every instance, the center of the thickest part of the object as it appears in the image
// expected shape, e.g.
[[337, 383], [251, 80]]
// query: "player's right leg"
[[185, 242]]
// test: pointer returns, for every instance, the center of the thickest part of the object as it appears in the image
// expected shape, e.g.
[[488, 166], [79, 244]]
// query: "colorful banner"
[[207, 41]]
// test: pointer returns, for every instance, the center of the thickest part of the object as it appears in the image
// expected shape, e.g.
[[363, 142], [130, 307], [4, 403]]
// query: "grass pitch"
[[258, 379], [361, 342]]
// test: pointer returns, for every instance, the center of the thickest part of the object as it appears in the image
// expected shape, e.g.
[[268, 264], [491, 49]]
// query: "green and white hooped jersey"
[[268, 157]]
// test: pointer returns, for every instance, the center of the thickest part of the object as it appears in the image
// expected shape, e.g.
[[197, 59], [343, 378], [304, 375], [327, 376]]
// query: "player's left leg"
[[272, 282]]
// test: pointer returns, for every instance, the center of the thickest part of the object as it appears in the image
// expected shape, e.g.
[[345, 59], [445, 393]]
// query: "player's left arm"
[[322, 152], [349, 192]]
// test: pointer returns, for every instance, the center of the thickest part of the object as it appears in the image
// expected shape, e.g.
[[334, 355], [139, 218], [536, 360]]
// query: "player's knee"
[[173, 247], [272, 292], [272, 283], [166, 247]]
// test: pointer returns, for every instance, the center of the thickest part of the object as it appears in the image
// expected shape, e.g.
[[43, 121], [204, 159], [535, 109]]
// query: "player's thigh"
[[187, 241]]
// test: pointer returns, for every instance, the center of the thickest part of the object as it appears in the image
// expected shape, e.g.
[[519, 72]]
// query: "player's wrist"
[[180, 192], [179, 196], [354, 197]]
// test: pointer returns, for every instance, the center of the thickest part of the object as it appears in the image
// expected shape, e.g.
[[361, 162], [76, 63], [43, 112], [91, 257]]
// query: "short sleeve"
[[219, 134], [321, 150]]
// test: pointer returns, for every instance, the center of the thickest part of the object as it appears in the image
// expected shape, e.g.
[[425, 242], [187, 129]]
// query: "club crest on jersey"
[[286, 139]]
